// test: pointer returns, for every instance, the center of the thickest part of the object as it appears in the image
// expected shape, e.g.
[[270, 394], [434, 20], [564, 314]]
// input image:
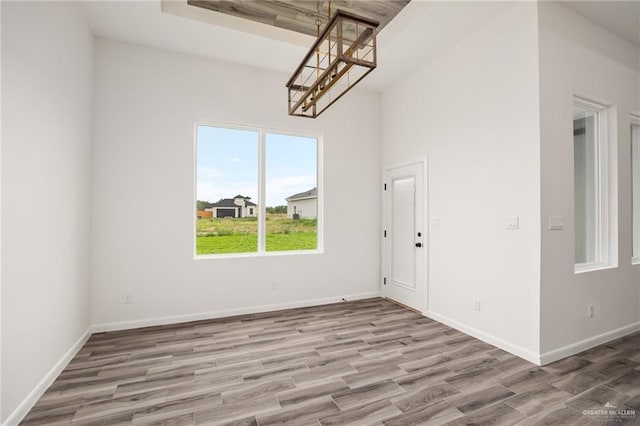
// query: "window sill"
[[256, 254], [592, 267]]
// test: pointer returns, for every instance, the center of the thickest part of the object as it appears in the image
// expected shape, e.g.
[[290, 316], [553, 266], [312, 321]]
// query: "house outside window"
[[272, 174], [303, 205]]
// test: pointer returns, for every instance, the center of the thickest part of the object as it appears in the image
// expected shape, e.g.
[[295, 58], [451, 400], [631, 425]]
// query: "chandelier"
[[343, 54]]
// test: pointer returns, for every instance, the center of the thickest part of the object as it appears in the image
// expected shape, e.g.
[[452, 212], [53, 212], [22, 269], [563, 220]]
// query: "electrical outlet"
[[127, 298], [512, 222], [476, 305], [590, 311], [555, 223], [274, 285], [435, 221]]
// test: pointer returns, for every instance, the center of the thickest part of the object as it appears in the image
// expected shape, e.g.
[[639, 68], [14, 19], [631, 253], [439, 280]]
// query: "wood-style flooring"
[[357, 363]]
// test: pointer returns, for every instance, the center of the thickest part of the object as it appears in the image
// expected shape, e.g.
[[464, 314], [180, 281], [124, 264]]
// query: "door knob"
[[418, 244]]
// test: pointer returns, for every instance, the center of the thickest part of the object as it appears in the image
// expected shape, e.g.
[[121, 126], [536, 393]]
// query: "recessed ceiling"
[[175, 26], [303, 16]]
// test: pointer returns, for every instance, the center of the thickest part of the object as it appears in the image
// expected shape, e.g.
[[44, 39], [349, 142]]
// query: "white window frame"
[[634, 120], [605, 258], [262, 132]]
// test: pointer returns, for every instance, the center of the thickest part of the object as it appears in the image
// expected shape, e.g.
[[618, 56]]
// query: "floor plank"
[[355, 363]]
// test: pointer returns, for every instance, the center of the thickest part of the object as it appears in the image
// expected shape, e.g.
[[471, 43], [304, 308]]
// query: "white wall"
[[0, 214], [308, 208], [474, 111], [46, 131], [578, 57], [146, 101]]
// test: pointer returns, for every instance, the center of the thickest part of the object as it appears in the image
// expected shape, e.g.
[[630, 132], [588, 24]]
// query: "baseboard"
[[126, 325], [502, 344], [589, 343], [21, 411]]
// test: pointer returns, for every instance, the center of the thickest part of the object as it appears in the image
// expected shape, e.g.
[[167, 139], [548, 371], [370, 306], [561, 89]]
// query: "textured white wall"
[[578, 57], [146, 101], [474, 111], [46, 207]]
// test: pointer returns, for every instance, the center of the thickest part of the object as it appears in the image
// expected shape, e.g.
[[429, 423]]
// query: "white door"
[[404, 237]]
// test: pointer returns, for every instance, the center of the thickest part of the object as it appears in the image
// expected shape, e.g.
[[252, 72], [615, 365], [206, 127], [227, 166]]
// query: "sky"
[[227, 164]]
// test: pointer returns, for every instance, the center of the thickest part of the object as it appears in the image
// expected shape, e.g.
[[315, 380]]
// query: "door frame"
[[424, 274]]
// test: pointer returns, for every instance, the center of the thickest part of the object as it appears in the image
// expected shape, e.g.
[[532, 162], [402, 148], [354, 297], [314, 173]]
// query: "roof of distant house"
[[229, 202], [312, 193]]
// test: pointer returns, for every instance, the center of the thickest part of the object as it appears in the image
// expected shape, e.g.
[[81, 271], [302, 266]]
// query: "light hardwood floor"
[[359, 363]]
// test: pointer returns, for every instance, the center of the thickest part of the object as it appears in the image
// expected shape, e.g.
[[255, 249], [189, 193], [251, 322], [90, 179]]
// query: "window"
[[591, 202], [635, 185], [257, 191]]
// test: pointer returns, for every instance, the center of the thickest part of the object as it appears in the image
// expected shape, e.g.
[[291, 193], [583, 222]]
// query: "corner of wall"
[[30, 400], [43, 45], [574, 53], [487, 164]]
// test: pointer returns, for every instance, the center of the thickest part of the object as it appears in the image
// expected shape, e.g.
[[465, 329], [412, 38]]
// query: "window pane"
[[227, 190], [291, 192], [586, 185], [635, 173]]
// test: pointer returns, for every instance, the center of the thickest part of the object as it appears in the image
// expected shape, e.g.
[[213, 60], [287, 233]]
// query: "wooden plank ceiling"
[[301, 15]]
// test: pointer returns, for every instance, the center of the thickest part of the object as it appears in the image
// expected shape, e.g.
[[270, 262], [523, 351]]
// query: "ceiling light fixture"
[[343, 54]]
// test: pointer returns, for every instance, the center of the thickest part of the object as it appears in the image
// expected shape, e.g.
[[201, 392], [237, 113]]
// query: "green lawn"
[[239, 243], [218, 236]]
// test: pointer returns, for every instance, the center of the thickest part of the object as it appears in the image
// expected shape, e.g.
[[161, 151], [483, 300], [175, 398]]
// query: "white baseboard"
[[23, 409], [543, 358], [502, 344], [589, 343], [126, 325]]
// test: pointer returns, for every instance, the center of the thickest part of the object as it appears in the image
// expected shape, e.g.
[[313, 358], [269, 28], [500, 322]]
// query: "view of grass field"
[[240, 235]]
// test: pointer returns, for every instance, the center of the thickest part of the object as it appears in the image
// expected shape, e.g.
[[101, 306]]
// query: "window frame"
[[634, 121], [262, 188], [604, 255]]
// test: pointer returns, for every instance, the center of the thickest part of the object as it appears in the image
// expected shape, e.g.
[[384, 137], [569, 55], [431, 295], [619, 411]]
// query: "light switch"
[[512, 222], [435, 221], [555, 223]]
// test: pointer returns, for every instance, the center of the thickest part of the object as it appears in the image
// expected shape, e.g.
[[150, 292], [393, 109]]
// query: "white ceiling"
[[422, 30]]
